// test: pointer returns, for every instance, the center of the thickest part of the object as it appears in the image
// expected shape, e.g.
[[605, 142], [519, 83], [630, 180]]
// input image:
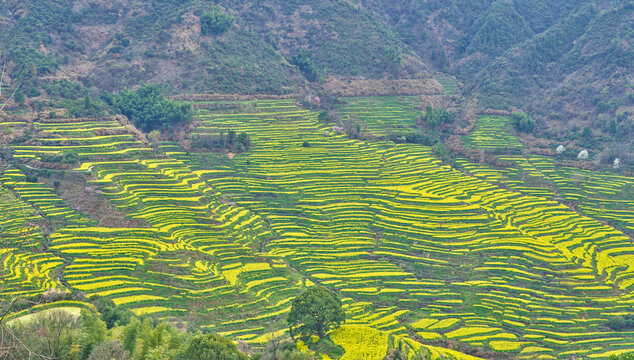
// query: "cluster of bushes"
[[65, 157], [215, 21], [523, 122], [622, 323], [113, 332], [303, 60], [416, 137], [436, 117], [231, 141], [149, 109]]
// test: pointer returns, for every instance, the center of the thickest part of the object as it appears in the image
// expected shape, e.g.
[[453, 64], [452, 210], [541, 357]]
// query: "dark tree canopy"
[[523, 122], [315, 311], [435, 117], [215, 21], [112, 314], [149, 109], [212, 347], [303, 60]]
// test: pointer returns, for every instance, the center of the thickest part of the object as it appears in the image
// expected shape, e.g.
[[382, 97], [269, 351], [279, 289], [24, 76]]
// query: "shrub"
[[212, 347], [111, 314], [70, 157]]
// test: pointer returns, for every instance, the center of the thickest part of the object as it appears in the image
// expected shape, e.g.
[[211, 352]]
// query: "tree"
[[523, 122], [303, 60], [19, 98], [583, 155], [94, 332], [108, 351], [215, 21], [315, 311], [617, 163], [560, 149], [150, 110], [212, 347], [436, 117], [111, 314], [49, 335]]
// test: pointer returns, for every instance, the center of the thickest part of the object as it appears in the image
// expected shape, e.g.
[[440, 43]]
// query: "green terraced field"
[[450, 87], [382, 116], [492, 132], [420, 251]]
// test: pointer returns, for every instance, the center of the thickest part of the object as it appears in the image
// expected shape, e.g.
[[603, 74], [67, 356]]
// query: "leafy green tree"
[[315, 311], [436, 117], [94, 333], [131, 335], [303, 60], [149, 109], [215, 21], [212, 347], [622, 323], [523, 122], [18, 97], [112, 314]]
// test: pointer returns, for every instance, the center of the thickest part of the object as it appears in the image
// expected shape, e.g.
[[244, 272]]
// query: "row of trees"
[[115, 333], [231, 141], [58, 335]]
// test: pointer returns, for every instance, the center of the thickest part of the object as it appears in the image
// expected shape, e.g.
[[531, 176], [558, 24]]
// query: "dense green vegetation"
[[149, 109], [523, 122], [306, 65], [315, 312], [231, 141], [59, 334], [215, 21], [437, 117]]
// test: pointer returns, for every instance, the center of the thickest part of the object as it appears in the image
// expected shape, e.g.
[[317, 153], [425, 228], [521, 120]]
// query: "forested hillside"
[[115, 44], [568, 62]]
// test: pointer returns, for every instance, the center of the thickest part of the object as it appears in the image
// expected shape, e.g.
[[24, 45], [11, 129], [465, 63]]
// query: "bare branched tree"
[[47, 336]]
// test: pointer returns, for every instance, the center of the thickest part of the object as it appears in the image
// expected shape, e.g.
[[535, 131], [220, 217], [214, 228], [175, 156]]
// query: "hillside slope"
[[117, 44], [568, 62]]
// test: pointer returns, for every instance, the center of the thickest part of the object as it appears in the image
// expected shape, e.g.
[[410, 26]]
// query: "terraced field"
[[382, 116], [423, 254], [450, 87], [491, 132]]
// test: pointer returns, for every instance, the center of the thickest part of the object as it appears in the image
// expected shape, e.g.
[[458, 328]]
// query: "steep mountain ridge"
[[568, 62]]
